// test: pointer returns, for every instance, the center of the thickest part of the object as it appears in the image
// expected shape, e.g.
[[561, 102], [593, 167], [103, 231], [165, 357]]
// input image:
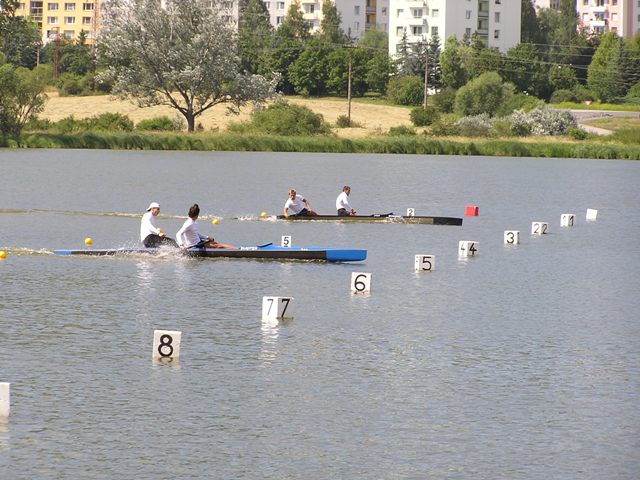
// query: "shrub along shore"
[[410, 144]]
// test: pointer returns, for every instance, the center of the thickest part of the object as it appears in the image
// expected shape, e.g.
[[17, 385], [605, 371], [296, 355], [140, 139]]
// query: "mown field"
[[373, 118]]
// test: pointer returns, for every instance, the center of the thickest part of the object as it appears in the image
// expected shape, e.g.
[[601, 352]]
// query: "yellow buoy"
[[3, 254], [214, 221], [263, 214], [88, 241]]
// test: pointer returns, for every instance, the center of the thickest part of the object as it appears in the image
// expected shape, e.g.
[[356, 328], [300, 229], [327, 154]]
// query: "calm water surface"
[[520, 363]]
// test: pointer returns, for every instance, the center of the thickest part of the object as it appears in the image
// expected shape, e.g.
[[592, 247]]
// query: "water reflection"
[[270, 331]]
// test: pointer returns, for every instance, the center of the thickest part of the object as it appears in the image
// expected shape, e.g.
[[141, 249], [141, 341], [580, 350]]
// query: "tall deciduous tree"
[[330, 24], [287, 45], [608, 75], [254, 36], [19, 37], [22, 95], [453, 73], [530, 30], [182, 55], [379, 66]]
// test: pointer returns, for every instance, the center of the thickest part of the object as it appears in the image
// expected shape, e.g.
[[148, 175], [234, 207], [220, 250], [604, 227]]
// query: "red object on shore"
[[471, 211]]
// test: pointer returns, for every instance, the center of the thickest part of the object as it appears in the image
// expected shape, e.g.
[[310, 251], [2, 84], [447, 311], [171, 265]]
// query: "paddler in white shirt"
[[297, 205], [150, 235], [189, 235], [342, 203]]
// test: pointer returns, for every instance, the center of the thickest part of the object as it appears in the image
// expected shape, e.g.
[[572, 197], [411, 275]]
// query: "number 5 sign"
[[360, 282]]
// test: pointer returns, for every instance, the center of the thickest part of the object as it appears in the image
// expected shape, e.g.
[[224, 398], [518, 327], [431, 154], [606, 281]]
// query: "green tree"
[[22, 95], [407, 60], [76, 56], [338, 80], [530, 29], [453, 73], [433, 58], [287, 45], [19, 37], [562, 78], [330, 29], [310, 72], [527, 70], [254, 37], [379, 66], [484, 94], [182, 56], [608, 75]]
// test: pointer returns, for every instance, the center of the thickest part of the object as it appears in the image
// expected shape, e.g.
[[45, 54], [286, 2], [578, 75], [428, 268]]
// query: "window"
[[69, 7], [87, 7], [52, 6], [497, 2], [399, 31], [585, 2], [468, 14], [614, 17], [356, 26], [435, 13], [416, 30], [69, 20], [467, 32], [309, 8], [614, 2], [496, 34], [52, 20], [68, 34], [279, 20], [614, 29], [356, 10], [496, 17], [280, 5], [416, 12], [599, 3], [399, 13], [384, 11], [434, 31], [86, 20]]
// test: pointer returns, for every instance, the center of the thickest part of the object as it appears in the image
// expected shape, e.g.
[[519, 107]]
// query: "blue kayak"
[[268, 251]]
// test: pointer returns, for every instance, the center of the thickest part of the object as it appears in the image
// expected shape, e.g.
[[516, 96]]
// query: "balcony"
[[598, 23], [370, 9], [600, 9]]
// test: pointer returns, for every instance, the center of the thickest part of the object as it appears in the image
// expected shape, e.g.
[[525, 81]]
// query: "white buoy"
[[285, 241], [539, 228], [511, 237], [467, 248], [411, 212], [5, 399], [425, 263], [277, 308], [567, 220], [166, 344], [360, 282], [592, 214]]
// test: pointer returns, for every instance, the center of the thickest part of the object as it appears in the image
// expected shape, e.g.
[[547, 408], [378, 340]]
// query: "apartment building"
[[357, 16], [601, 16], [497, 22], [63, 18]]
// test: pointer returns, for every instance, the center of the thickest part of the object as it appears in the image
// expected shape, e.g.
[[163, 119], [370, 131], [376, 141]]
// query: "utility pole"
[[426, 76], [349, 87], [349, 93]]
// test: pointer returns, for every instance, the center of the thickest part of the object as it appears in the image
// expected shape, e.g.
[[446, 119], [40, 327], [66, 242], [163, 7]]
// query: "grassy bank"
[[383, 144]]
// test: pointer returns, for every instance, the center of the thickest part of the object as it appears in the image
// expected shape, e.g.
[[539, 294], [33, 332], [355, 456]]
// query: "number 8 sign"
[[360, 282], [166, 344]]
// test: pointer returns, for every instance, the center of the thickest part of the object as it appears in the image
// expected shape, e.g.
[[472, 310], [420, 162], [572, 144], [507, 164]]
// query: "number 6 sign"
[[360, 282]]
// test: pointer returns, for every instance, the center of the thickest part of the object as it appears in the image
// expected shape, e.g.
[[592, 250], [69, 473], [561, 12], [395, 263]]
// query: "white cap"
[[153, 205]]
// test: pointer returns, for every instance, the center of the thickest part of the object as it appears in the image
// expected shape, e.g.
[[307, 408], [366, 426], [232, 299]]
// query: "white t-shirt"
[[294, 206], [189, 234], [343, 202], [147, 226]]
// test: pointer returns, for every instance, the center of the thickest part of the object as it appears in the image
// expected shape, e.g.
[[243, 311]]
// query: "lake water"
[[523, 362]]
